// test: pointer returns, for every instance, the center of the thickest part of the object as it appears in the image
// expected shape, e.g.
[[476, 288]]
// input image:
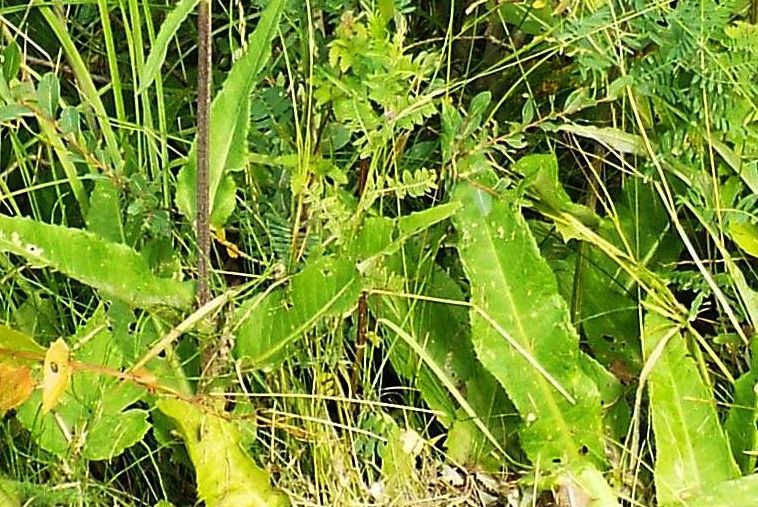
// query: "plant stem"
[[203, 147]]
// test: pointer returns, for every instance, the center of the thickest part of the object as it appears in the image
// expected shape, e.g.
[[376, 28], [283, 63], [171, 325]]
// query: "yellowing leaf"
[[16, 385], [56, 375], [226, 474]]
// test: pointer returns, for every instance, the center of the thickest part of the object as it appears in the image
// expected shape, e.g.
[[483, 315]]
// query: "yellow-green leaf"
[[226, 474]]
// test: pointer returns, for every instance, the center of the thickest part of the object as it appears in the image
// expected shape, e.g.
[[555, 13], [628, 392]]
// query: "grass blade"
[[158, 51]]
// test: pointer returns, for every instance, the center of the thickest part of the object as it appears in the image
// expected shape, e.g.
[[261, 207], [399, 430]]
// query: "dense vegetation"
[[463, 253]]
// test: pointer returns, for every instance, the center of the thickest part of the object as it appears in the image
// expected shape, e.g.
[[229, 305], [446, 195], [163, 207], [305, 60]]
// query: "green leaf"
[[612, 138], [271, 321], [523, 336], [740, 492], [104, 215], [91, 412], [440, 328], [15, 341], [9, 496], [11, 60], [608, 303], [692, 453], [112, 268], [69, 120], [111, 434], [740, 425], [745, 235], [48, 93], [540, 173], [12, 112], [160, 46], [229, 125], [226, 474]]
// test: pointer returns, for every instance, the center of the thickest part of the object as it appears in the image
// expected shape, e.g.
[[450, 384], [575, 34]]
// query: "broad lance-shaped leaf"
[[272, 320], [522, 335], [229, 121], [226, 474], [692, 453], [113, 268]]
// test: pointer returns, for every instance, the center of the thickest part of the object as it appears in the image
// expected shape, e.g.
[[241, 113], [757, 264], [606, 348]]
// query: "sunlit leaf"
[[740, 492], [745, 235], [226, 475], [113, 268], [523, 336], [56, 374], [15, 341], [692, 453]]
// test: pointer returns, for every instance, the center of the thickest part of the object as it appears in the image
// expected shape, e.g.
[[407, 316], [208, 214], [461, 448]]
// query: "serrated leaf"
[[113, 268], [523, 336], [56, 374], [226, 474], [272, 321], [160, 45], [229, 121], [692, 453]]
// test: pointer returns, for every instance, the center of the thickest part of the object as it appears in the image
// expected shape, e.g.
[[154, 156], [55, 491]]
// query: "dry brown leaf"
[[16, 384], [56, 375]]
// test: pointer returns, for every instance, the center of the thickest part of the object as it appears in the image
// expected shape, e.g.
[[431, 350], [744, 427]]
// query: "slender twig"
[[203, 161], [203, 147]]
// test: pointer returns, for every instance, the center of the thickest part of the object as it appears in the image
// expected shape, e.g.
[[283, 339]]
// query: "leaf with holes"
[[522, 335]]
